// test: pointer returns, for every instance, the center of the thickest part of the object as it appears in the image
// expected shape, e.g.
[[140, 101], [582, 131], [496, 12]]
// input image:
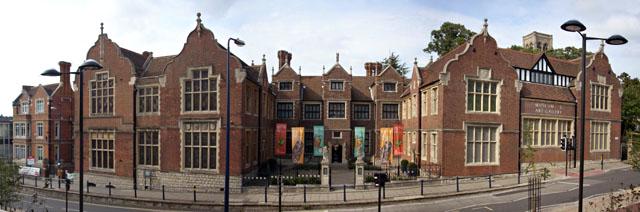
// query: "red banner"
[[398, 146], [281, 139]]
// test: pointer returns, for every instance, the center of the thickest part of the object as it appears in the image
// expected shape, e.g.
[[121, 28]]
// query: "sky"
[[36, 35]]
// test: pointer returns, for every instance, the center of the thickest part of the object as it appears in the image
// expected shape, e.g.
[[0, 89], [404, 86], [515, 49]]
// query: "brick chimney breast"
[[373, 68], [284, 57], [65, 69]]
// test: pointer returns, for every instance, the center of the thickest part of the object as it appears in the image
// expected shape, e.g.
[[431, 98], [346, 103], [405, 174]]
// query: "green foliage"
[[413, 169], [368, 179], [8, 183], [394, 61], [296, 180], [447, 37], [404, 164], [634, 154], [566, 53], [630, 103]]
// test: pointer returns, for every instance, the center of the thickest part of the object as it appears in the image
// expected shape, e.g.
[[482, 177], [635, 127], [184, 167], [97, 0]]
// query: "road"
[[55, 205], [555, 193]]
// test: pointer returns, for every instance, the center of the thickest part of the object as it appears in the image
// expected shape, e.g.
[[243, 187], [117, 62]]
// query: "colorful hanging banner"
[[386, 144], [297, 144], [358, 147], [398, 145], [281, 139], [318, 140]]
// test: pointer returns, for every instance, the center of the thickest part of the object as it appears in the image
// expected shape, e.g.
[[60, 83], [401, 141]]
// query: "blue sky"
[[38, 34]]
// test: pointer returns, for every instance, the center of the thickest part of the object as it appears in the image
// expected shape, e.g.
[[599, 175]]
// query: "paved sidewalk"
[[295, 195]]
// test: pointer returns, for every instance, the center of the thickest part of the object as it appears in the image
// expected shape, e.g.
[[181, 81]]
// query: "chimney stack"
[[284, 57], [65, 69], [373, 68]]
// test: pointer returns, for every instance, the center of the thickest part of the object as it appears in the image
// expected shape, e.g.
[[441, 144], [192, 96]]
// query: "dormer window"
[[337, 85], [285, 86], [390, 87]]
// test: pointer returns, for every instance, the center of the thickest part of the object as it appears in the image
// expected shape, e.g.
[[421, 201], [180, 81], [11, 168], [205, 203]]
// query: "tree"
[[394, 61], [566, 53], [8, 183], [630, 103], [447, 37]]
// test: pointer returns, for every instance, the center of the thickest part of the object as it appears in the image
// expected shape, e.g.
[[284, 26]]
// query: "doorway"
[[336, 154]]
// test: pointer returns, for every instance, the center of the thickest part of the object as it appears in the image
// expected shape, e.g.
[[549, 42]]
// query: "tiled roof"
[[527, 60], [50, 88], [540, 91], [156, 65], [360, 89], [137, 59], [430, 73], [313, 88]]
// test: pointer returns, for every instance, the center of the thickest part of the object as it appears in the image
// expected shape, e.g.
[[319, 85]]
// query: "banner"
[[398, 147], [386, 144], [281, 139], [297, 144], [318, 140], [358, 147]]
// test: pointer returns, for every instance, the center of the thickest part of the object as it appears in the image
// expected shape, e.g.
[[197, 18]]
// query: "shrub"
[[413, 169], [403, 165]]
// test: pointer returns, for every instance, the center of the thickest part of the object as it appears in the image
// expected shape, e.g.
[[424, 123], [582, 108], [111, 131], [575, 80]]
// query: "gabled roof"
[[360, 88], [431, 72], [50, 88], [31, 90], [541, 91], [527, 60], [137, 59], [157, 65]]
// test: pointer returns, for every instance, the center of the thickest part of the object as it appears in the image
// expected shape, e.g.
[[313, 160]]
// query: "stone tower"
[[538, 40]]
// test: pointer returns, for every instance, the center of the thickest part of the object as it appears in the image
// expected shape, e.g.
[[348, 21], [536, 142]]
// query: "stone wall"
[[180, 181]]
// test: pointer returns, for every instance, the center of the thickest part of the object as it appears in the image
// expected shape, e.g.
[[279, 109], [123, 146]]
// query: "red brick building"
[[42, 126], [480, 104]]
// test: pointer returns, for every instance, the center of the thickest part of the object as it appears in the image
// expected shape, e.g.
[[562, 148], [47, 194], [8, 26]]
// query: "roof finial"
[[337, 57], [272, 71], [198, 20], [431, 59], [350, 69], [251, 62], [101, 28], [601, 49], [415, 61], [485, 31], [323, 69], [264, 59]]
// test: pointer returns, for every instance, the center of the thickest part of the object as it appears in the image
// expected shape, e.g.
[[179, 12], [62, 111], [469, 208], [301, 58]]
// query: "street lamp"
[[239, 43], [88, 64], [576, 26]]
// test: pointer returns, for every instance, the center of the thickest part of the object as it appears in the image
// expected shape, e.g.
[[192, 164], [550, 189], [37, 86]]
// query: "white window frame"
[[498, 130], [57, 130], [39, 106], [482, 94], [425, 144], [39, 130], [103, 149], [24, 107], [39, 153], [139, 99], [597, 97], [182, 147], [333, 134], [433, 148], [147, 144], [434, 100], [103, 96], [538, 134], [424, 103], [600, 136], [189, 76]]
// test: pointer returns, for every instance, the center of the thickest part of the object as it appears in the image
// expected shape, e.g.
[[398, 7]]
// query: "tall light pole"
[[88, 64], [240, 43], [576, 26]]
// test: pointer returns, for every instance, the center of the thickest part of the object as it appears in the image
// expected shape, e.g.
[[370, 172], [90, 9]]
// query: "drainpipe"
[[135, 136], [419, 131], [519, 137], [259, 107]]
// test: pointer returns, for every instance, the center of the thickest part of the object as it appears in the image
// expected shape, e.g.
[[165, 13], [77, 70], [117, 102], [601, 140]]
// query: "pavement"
[[294, 197]]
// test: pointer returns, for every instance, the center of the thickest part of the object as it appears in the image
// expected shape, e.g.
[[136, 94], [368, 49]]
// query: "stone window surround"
[[189, 75], [338, 101], [39, 130], [482, 79], [159, 153], [498, 132], [539, 129], [433, 147], [608, 96], [115, 162], [24, 107], [39, 106], [26, 130], [193, 170], [395, 88], [147, 95], [434, 100], [311, 103], [607, 137], [333, 135], [285, 81], [382, 110], [40, 153], [360, 103], [103, 114], [293, 116], [336, 80]]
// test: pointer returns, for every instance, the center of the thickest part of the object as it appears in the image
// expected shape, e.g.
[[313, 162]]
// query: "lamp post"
[[576, 26], [88, 64], [239, 43]]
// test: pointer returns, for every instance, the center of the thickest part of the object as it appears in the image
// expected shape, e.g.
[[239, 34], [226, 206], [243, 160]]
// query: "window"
[[414, 106], [434, 147], [312, 111], [423, 106], [336, 135], [40, 106], [285, 110], [285, 86], [148, 147], [21, 151], [545, 132], [56, 131], [389, 87], [337, 85], [102, 150], [101, 91], [25, 107], [599, 97], [434, 101], [361, 111], [481, 96], [200, 92], [39, 129], [599, 136], [390, 111], [482, 145], [21, 130], [39, 153], [336, 110], [423, 152], [148, 100], [200, 145]]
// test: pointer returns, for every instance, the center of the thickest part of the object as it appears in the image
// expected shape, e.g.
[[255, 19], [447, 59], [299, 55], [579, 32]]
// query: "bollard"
[[457, 184], [109, 186], [163, 192], [305, 192], [59, 183], [135, 193], [384, 192], [344, 192], [265, 192], [22, 179], [194, 193], [421, 187], [489, 181], [601, 162], [36, 180]]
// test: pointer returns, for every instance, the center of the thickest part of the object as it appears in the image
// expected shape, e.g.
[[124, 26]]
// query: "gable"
[[543, 65]]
